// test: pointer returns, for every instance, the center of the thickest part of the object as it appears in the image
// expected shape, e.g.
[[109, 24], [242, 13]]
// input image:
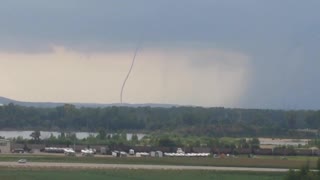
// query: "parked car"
[[22, 161]]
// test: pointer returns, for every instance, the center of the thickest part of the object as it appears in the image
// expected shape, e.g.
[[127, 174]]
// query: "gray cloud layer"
[[281, 37], [83, 23]]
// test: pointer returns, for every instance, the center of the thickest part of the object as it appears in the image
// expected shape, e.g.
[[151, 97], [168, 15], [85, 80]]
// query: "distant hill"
[[5, 101]]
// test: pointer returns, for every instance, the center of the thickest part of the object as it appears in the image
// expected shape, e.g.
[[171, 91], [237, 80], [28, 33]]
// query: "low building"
[[103, 150], [315, 151], [159, 154], [131, 152], [5, 146], [153, 154], [276, 142]]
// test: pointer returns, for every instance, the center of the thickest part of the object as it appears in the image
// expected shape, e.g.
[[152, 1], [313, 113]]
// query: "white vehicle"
[[131, 152], [142, 154], [69, 152], [22, 161], [180, 154], [87, 152], [180, 151]]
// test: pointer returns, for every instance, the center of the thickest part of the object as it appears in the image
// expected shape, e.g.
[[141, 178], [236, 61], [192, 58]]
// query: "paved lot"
[[130, 166]]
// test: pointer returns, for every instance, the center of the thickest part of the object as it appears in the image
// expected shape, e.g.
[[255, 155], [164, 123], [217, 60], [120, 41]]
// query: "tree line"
[[304, 173], [216, 122], [120, 139]]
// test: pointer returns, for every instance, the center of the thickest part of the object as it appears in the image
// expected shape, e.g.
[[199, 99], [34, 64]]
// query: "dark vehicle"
[[18, 150]]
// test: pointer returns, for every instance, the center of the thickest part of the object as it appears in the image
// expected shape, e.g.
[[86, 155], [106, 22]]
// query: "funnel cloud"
[[129, 72]]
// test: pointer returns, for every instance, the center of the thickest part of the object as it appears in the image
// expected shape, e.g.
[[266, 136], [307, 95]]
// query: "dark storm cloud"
[[97, 24], [281, 37]]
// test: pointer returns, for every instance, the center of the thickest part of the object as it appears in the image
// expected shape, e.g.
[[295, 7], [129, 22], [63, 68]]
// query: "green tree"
[[62, 136], [318, 166], [134, 139], [303, 174], [166, 142], [254, 143], [102, 134], [242, 143], [292, 175], [35, 136], [20, 140]]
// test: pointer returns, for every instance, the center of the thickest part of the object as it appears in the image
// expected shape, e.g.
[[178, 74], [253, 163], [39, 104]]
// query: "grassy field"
[[7, 174], [242, 161]]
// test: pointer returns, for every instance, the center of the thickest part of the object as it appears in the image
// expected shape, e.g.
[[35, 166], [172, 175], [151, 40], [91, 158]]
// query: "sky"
[[246, 54]]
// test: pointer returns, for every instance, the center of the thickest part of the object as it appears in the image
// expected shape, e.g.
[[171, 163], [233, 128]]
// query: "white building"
[[5, 146], [275, 142]]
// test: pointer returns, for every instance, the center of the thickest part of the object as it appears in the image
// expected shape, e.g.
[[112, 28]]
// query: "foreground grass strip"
[[267, 162], [36, 174]]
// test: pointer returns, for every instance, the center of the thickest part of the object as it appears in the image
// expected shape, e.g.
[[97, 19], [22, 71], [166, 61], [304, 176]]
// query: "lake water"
[[47, 134]]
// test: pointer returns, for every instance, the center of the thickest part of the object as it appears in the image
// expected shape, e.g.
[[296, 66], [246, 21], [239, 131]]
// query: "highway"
[[52, 165]]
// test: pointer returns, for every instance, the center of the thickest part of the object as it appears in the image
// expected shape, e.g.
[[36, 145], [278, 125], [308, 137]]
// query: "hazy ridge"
[[5, 101]]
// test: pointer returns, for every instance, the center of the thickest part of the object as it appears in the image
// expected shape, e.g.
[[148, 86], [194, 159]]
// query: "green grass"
[[8, 174], [242, 161], [301, 158]]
